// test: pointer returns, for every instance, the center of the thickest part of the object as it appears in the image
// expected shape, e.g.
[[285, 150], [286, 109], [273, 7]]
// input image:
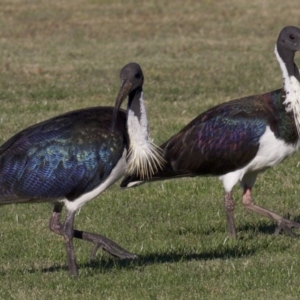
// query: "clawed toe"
[[286, 225], [105, 243], [113, 249], [108, 245]]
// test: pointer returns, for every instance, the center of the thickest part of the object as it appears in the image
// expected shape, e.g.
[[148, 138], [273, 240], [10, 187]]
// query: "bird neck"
[[291, 80], [144, 157], [137, 111]]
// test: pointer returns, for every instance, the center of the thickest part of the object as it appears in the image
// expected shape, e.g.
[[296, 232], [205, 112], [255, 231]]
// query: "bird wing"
[[218, 141], [63, 157], [215, 146], [224, 138]]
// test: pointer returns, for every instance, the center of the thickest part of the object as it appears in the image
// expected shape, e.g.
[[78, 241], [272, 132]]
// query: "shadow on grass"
[[268, 227], [261, 227], [222, 251], [264, 228], [106, 264]]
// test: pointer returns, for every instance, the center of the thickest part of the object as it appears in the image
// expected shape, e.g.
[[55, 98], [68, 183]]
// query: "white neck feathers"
[[292, 89], [144, 156]]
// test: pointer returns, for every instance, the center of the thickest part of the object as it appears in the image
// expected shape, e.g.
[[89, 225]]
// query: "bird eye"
[[292, 37], [138, 75]]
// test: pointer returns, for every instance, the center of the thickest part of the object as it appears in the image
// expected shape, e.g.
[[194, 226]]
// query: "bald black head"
[[288, 43], [132, 73], [289, 38], [132, 79]]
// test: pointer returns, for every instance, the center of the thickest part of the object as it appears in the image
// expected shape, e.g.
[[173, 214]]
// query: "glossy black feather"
[[63, 157], [225, 137]]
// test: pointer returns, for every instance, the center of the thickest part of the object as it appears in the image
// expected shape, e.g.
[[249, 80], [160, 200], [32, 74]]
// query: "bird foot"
[[111, 247], [106, 244], [282, 223], [286, 225]]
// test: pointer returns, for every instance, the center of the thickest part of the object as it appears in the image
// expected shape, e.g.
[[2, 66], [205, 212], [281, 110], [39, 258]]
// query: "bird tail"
[[163, 174]]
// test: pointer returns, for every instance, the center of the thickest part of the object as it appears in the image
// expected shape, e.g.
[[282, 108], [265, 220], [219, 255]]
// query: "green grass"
[[56, 56]]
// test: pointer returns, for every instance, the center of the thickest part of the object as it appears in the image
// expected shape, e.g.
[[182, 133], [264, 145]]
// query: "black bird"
[[70, 159], [240, 138]]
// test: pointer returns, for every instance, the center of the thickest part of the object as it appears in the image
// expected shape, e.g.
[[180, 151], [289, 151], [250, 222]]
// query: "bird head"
[[289, 37], [132, 79]]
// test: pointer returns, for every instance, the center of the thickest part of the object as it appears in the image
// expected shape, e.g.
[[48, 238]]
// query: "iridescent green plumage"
[[69, 160], [63, 157]]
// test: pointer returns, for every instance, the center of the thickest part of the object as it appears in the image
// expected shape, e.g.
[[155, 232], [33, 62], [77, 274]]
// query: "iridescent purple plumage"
[[238, 139]]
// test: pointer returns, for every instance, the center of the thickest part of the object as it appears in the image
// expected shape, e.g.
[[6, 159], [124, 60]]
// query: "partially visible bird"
[[238, 139], [70, 159]]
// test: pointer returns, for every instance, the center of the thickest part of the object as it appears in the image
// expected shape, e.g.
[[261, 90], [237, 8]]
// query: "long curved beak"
[[124, 90]]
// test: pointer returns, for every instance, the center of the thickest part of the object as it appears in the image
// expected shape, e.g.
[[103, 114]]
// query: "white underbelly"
[[271, 152]]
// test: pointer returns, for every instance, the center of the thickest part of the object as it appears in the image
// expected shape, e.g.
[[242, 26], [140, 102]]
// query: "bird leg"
[[98, 240], [106, 244], [68, 235], [229, 209], [283, 224], [55, 224]]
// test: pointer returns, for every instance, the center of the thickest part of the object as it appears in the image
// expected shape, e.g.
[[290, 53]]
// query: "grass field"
[[57, 56]]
